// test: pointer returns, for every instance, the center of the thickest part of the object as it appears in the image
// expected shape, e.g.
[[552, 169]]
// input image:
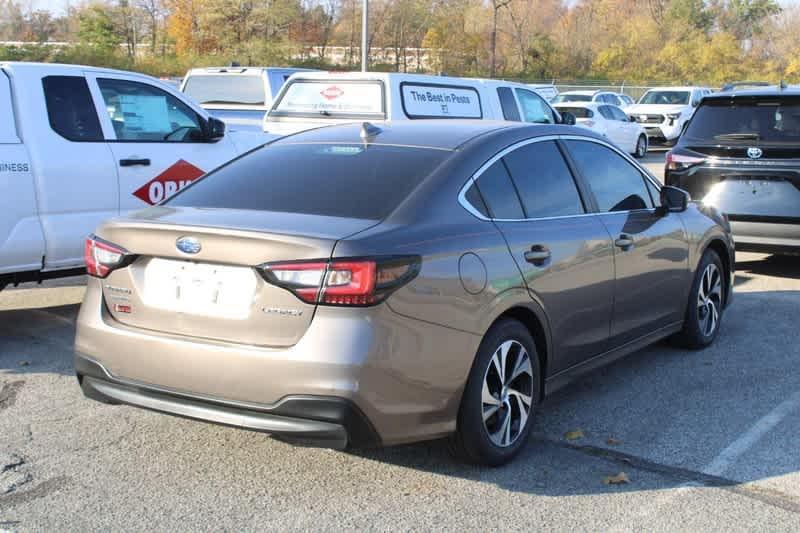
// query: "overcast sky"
[[59, 6]]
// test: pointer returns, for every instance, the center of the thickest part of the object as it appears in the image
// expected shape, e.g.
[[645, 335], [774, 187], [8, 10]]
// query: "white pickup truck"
[[81, 144]]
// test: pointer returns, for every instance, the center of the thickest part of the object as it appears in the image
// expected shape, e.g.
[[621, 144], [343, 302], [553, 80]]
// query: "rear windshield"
[[577, 112], [572, 98], [340, 180], [326, 98], [665, 97], [761, 120], [226, 89]]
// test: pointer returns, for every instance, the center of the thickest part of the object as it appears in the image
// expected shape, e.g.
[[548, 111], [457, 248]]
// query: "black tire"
[[696, 333], [639, 154], [472, 441]]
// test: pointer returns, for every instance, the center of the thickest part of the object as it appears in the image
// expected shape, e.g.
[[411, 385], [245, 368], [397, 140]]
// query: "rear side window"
[[338, 180], [544, 181], [499, 194], [70, 108], [617, 185], [508, 103]]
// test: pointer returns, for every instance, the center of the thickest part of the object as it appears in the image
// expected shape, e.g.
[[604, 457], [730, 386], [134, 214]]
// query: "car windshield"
[[339, 180], [745, 121], [329, 98], [577, 112], [666, 97], [226, 89], [572, 98]]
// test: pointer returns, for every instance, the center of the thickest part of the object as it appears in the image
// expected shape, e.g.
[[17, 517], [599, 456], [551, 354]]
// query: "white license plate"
[[199, 288]]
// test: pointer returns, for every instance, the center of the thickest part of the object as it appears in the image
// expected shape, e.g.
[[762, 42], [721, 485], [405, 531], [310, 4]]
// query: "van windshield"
[[331, 99], [226, 89]]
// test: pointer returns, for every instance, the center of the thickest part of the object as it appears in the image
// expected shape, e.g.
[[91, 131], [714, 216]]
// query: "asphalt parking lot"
[[706, 440]]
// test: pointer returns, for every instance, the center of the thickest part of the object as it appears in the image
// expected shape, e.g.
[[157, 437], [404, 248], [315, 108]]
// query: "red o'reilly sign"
[[173, 179]]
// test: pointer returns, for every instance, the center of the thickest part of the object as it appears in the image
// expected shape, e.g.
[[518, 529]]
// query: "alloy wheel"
[[507, 395], [709, 300]]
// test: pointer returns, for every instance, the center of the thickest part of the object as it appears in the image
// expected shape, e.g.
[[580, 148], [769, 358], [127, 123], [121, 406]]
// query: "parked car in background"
[[741, 154], [238, 95], [547, 91], [601, 97], [665, 111], [376, 284], [627, 101], [81, 144], [611, 122], [313, 99]]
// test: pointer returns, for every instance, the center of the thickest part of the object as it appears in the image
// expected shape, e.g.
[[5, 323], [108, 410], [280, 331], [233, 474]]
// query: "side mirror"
[[567, 118], [632, 119], [674, 200], [215, 129]]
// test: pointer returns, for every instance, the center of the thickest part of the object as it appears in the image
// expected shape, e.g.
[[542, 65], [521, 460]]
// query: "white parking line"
[[749, 438]]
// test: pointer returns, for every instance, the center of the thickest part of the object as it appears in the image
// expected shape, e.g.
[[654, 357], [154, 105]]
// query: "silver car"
[[364, 286]]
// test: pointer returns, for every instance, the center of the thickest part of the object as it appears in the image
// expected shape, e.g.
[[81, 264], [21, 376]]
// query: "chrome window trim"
[[462, 195]]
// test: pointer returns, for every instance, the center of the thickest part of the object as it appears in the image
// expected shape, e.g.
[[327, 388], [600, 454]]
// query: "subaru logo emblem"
[[188, 245], [754, 153]]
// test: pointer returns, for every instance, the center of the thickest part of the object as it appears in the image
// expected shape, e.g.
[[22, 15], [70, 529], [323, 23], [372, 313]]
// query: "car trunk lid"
[[211, 287]]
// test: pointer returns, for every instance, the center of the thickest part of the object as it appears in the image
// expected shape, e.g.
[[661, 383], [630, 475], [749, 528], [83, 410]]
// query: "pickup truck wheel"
[[502, 390]]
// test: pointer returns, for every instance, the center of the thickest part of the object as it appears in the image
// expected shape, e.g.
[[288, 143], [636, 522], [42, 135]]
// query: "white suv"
[[665, 111]]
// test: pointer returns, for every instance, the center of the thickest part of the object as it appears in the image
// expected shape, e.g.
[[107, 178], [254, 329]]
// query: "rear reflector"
[[103, 257], [348, 282]]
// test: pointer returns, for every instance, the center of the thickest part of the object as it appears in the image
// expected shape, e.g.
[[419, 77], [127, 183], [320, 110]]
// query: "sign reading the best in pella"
[[431, 101]]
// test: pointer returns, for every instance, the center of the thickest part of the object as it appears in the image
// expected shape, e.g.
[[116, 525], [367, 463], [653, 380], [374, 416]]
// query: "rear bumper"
[[404, 375], [761, 234], [317, 421]]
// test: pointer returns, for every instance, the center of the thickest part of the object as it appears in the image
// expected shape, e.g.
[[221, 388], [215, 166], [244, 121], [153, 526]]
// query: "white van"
[[238, 95], [312, 99]]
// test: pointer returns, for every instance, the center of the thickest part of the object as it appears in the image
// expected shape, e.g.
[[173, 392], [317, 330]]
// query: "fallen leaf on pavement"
[[611, 441], [619, 479], [575, 434]]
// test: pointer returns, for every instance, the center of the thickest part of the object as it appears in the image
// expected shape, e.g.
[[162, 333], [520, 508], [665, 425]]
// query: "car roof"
[[443, 134], [582, 92], [588, 105], [242, 69], [389, 77], [766, 92], [21, 66], [687, 88]]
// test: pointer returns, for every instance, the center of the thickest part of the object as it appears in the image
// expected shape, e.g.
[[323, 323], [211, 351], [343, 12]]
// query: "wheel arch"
[[718, 246], [534, 320]]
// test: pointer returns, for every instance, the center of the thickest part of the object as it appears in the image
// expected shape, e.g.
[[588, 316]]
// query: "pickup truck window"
[[70, 108], [534, 108], [238, 89], [141, 112]]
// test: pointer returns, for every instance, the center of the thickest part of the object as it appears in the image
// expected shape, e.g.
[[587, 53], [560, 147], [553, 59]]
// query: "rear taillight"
[[682, 162], [345, 282], [102, 257]]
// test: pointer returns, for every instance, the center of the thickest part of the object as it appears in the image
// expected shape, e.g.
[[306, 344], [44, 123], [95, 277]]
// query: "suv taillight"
[[682, 162], [343, 282], [102, 257]]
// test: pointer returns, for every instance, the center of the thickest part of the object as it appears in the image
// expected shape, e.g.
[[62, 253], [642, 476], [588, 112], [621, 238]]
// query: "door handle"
[[537, 255], [624, 241], [134, 162]]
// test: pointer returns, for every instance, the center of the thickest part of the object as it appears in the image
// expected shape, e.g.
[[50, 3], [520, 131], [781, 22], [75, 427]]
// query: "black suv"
[[741, 154]]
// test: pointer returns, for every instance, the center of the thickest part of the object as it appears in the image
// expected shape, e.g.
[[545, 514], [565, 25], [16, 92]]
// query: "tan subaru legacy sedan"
[[365, 285]]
